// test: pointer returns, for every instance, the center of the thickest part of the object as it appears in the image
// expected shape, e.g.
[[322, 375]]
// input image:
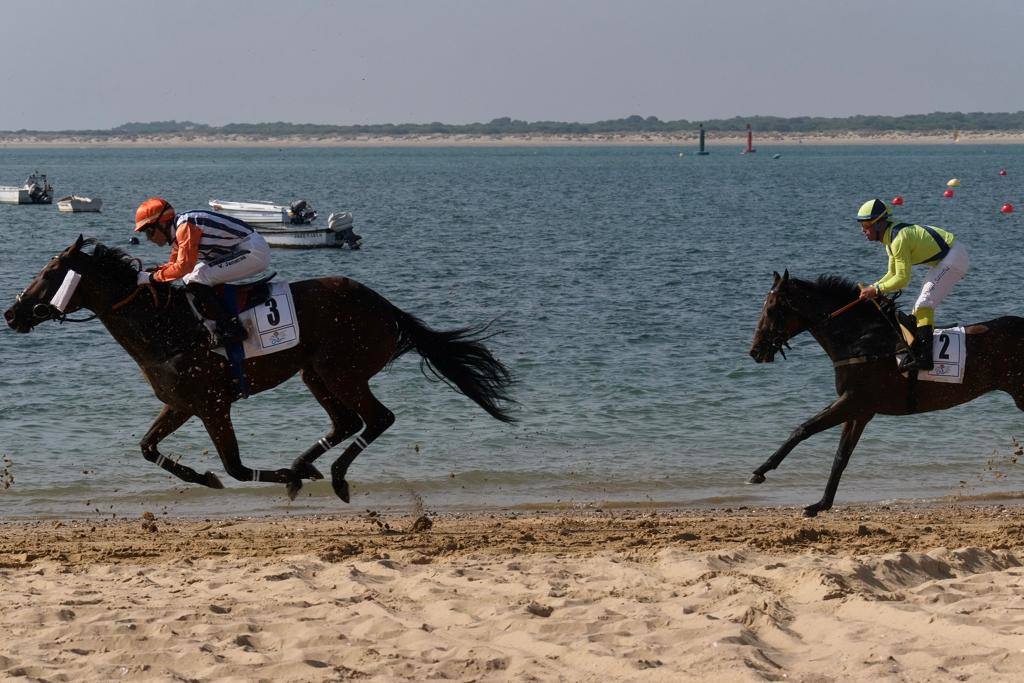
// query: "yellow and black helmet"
[[873, 209]]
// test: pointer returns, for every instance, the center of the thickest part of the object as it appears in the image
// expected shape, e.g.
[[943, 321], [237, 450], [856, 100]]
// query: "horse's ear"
[[78, 242], [785, 275], [777, 277]]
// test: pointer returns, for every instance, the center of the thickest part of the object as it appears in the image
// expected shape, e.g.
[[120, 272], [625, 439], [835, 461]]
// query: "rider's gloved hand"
[[144, 279], [869, 292]]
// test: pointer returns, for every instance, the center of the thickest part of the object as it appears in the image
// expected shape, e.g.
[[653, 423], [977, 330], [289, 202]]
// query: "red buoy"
[[948, 193], [897, 200], [1002, 171], [1007, 208]]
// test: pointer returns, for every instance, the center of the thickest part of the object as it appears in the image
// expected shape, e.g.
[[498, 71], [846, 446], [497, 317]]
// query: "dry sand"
[[721, 141], [863, 593]]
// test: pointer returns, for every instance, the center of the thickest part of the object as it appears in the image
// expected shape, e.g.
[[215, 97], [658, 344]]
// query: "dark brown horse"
[[348, 333], [862, 343]]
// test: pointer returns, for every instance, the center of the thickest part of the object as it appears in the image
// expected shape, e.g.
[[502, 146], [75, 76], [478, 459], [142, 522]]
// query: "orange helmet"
[[153, 210]]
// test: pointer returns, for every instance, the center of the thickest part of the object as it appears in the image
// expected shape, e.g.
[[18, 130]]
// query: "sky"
[[99, 63]]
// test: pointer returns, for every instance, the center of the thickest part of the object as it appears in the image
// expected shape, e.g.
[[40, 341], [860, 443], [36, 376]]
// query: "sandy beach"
[[863, 593], [720, 140]]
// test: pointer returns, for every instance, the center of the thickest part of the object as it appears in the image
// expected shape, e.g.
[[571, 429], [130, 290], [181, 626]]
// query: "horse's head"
[[780, 321], [36, 303]]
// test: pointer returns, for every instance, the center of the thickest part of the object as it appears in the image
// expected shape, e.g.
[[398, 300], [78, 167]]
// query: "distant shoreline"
[[687, 140]]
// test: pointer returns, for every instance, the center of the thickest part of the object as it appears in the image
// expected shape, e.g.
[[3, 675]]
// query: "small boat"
[[289, 226], [74, 203], [36, 190], [338, 234], [257, 213]]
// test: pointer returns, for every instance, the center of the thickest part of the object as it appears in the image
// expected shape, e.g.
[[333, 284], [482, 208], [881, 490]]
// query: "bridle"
[[777, 341], [41, 312]]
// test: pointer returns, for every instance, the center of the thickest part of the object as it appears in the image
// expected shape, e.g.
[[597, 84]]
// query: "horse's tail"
[[459, 359]]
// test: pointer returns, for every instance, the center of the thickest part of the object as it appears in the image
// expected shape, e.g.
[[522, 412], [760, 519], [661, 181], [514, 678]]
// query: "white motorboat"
[[338, 234], [75, 204], [36, 190], [257, 213], [289, 226]]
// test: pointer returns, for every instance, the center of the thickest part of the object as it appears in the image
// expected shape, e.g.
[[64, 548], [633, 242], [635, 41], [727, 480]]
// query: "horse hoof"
[[341, 488], [294, 487], [810, 511], [210, 479], [308, 471], [756, 478]]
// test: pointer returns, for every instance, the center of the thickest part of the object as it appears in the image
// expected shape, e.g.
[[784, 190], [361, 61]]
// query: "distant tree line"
[[936, 121]]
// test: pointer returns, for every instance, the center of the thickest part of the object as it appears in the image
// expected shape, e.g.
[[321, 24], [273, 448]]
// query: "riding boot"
[[229, 330], [908, 321], [924, 340], [919, 356]]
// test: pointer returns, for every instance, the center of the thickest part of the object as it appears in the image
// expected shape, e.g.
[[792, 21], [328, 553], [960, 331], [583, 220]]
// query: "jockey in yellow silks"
[[907, 245]]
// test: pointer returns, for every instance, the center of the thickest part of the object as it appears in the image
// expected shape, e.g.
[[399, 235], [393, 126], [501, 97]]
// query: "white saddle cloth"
[[949, 352], [272, 326]]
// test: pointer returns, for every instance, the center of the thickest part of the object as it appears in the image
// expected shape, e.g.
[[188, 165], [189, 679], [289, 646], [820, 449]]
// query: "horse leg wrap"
[[340, 465], [319, 448]]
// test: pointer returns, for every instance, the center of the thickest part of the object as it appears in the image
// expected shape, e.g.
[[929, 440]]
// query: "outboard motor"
[[301, 213], [38, 189], [350, 239], [341, 223]]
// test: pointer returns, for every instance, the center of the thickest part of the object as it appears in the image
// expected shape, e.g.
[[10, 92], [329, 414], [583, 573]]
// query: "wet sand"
[[865, 592]]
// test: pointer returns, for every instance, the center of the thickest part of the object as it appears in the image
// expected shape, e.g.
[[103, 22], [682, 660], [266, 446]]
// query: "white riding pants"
[[942, 276], [251, 256]]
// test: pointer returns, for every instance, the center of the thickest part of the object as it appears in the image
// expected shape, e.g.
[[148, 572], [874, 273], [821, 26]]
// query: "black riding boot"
[[924, 340], [229, 330], [920, 355]]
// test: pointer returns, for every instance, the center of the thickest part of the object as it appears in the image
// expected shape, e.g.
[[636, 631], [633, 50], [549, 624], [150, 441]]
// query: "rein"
[[839, 311], [866, 359], [778, 343], [62, 318], [135, 292], [43, 311]]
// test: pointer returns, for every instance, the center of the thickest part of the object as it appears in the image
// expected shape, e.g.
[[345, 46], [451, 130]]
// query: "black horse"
[[349, 333], [862, 343]]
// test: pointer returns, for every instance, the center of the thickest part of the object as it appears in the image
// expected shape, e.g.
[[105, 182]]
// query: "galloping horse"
[[348, 333], [862, 344]]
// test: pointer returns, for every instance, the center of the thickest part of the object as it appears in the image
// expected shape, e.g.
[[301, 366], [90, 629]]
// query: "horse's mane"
[[836, 282], [833, 288], [866, 330], [111, 259]]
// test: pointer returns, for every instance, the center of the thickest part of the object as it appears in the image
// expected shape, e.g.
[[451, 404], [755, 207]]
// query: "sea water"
[[625, 282]]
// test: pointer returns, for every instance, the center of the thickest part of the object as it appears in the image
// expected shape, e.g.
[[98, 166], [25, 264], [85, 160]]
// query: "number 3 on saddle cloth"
[[949, 352], [267, 312]]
